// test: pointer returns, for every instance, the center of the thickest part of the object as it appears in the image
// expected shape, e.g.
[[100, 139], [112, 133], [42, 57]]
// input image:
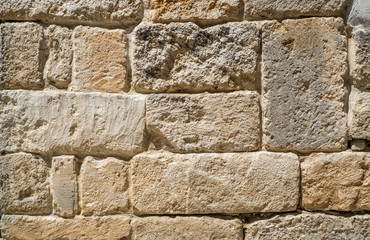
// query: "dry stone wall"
[[209, 119]]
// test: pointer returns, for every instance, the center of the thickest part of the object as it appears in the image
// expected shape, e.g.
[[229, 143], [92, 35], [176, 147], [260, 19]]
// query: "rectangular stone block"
[[303, 65], [181, 57], [310, 226], [225, 122], [21, 56], [336, 181], [104, 186], [168, 183], [186, 228], [359, 115], [64, 170], [51, 227], [359, 58], [99, 60], [24, 185], [72, 123]]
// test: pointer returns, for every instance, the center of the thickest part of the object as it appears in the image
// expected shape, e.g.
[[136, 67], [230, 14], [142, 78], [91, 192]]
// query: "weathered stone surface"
[[167, 183], [202, 11], [50, 228], [359, 58], [310, 226], [222, 122], [58, 67], [303, 64], [56, 123], [74, 11], [99, 60], [24, 185], [184, 228], [276, 9], [359, 115], [182, 57], [336, 181], [104, 186], [63, 181], [359, 16], [21, 55], [358, 145]]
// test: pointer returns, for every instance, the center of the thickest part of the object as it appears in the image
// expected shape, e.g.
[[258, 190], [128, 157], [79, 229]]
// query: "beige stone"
[[359, 58], [63, 181], [222, 122], [58, 67], [359, 115], [358, 145], [336, 181], [50, 227], [99, 60], [54, 123], [303, 65], [166, 228], [21, 55], [24, 185], [310, 226], [104, 186], [168, 183], [181, 57]]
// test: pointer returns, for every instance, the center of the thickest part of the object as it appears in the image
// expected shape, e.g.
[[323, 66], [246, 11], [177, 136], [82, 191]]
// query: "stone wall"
[[208, 119]]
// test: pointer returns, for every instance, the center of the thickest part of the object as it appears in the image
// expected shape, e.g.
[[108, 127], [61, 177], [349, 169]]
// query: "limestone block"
[[359, 58], [359, 16], [359, 115], [186, 228], [24, 185], [21, 55], [168, 183], [303, 64], [99, 60], [72, 11], [58, 67], [104, 186], [310, 226], [222, 122], [63, 181], [72, 123], [274, 9], [50, 227], [182, 57]]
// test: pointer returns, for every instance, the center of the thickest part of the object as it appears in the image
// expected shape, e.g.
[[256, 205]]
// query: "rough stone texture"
[[103, 186], [359, 115], [99, 60], [303, 64], [186, 228], [58, 67], [359, 15], [73, 11], [222, 122], [50, 228], [21, 55], [202, 11], [24, 185], [359, 58], [72, 123], [336, 181], [167, 183], [183, 57], [310, 226], [358, 145], [277, 9], [63, 181]]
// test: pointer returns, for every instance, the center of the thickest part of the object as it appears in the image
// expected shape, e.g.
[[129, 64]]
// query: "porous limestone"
[[359, 14], [359, 115], [359, 58]]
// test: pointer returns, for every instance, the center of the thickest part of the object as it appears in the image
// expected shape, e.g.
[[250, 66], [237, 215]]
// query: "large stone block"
[[24, 185], [50, 227], [104, 186], [303, 65], [167, 183], [99, 60], [359, 58], [21, 56], [186, 228], [359, 16], [72, 123], [359, 115], [222, 122], [310, 226], [182, 57]]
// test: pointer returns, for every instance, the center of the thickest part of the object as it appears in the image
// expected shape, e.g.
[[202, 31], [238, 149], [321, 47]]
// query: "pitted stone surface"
[[359, 115], [221, 122], [359, 58], [359, 15], [303, 65], [182, 57]]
